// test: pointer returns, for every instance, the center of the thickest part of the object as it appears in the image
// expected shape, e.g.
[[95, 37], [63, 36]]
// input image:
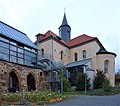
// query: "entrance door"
[[31, 82], [13, 82]]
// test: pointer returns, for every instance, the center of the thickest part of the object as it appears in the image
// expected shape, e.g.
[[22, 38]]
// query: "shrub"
[[106, 86], [1, 94], [66, 85], [80, 85], [99, 79]]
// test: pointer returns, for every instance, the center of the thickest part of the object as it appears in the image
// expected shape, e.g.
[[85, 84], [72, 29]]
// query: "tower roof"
[[64, 22]]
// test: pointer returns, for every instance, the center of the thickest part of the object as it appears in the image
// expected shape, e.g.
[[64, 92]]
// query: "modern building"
[[18, 61], [81, 54]]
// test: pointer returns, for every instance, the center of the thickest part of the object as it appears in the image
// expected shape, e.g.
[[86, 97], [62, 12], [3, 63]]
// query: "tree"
[[65, 84], [61, 78], [80, 85], [117, 78], [99, 79]]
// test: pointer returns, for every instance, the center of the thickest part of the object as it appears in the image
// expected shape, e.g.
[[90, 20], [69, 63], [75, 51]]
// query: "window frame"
[[106, 66], [84, 54], [75, 56]]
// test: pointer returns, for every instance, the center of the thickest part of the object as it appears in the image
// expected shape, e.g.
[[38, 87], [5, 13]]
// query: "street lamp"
[[84, 69]]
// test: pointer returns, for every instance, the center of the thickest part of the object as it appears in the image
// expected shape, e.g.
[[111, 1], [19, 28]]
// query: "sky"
[[97, 18]]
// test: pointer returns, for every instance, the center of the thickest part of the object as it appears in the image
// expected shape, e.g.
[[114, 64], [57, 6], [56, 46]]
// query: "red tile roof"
[[50, 33], [47, 34], [75, 41], [80, 39]]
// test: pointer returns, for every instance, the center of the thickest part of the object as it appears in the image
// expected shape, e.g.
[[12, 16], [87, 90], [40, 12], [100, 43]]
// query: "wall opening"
[[13, 85], [31, 82]]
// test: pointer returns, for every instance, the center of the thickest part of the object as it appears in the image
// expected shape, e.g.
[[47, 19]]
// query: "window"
[[13, 48], [4, 50], [20, 55], [5, 45], [40, 73], [20, 50], [61, 55], [60, 33], [13, 59], [84, 54], [13, 43], [17, 52], [106, 65], [13, 53], [20, 61], [4, 39], [75, 56], [42, 51], [4, 56]]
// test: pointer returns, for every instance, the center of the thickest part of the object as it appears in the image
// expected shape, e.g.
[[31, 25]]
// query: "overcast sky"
[[97, 18]]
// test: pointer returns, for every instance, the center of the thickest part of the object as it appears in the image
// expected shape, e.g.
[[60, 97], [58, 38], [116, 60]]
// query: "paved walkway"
[[89, 101]]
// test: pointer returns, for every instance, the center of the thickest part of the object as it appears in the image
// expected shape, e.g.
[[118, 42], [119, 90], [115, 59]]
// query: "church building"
[[83, 53]]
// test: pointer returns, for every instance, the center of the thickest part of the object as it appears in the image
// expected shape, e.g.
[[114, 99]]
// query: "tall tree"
[[99, 79]]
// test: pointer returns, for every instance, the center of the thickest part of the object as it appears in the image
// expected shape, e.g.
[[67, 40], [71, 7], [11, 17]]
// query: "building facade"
[[25, 66], [18, 61], [81, 54]]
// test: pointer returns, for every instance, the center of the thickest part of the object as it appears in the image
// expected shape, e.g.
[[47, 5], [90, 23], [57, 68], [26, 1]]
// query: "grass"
[[46, 96], [95, 92]]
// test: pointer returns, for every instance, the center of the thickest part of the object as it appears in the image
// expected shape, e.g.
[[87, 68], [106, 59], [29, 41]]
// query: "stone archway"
[[31, 82], [13, 83]]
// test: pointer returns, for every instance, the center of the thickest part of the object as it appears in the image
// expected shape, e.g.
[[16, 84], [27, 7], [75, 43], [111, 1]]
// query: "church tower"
[[65, 30]]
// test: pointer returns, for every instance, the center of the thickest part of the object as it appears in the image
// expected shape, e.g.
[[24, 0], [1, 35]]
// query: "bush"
[[80, 86], [66, 85], [1, 94], [99, 79], [106, 86]]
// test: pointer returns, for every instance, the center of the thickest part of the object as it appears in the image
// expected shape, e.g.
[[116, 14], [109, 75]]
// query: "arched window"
[[84, 54], [42, 51], [13, 82], [61, 55], [75, 56], [31, 82], [106, 66]]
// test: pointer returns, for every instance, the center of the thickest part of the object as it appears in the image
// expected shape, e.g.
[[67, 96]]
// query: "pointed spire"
[[64, 22], [65, 29]]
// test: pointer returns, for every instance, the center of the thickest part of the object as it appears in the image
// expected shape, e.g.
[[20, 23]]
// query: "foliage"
[[61, 78], [80, 85], [106, 86], [41, 96], [99, 79], [0, 94], [66, 85], [117, 78]]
